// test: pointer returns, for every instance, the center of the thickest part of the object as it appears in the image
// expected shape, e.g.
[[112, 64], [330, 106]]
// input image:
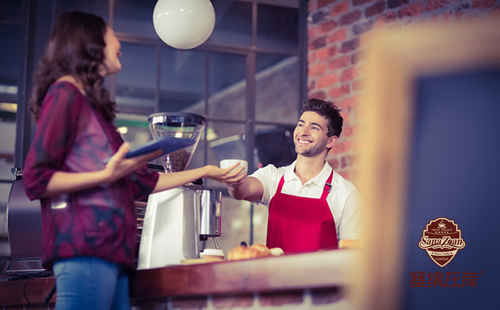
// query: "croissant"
[[255, 251]]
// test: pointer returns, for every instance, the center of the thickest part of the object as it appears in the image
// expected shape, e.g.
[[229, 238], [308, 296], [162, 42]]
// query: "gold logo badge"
[[441, 239]]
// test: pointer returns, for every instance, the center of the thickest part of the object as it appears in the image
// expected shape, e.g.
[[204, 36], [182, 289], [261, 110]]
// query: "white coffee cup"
[[212, 254], [226, 163]]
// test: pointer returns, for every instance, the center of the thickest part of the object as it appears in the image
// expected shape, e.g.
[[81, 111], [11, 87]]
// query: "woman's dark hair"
[[76, 48], [328, 110]]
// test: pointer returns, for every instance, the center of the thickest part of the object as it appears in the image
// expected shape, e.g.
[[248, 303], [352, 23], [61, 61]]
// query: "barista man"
[[311, 207]]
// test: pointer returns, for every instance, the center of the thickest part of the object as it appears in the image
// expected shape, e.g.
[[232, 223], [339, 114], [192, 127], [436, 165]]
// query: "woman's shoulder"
[[65, 96], [64, 90], [69, 84]]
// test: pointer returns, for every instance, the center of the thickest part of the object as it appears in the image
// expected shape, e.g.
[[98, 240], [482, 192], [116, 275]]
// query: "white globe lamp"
[[184, 24]]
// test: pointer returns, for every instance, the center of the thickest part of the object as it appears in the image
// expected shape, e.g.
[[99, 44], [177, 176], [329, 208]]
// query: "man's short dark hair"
[[326, 109]]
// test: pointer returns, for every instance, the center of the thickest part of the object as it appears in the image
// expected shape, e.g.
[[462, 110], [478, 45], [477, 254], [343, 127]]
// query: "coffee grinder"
[[176, 221]]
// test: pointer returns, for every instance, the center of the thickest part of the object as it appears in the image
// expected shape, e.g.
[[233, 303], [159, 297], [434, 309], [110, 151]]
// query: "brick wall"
[[335, 45]]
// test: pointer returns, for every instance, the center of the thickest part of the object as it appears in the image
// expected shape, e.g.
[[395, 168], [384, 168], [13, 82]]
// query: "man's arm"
[[249, 189]]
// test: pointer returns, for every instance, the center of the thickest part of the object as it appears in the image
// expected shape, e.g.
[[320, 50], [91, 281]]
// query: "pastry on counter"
[[255, 251]]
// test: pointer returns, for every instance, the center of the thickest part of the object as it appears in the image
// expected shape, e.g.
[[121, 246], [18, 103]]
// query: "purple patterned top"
[[72, 136]]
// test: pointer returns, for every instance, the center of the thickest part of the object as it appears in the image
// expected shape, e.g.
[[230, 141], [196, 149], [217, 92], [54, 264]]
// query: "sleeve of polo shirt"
[[266, 175], [351, 217], [54, 137]]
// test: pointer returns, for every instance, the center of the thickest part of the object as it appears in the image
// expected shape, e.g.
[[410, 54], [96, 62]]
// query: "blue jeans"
[[90, 283]]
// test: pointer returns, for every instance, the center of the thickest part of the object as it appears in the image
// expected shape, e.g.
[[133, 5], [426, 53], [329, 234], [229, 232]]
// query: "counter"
[[247, 283]]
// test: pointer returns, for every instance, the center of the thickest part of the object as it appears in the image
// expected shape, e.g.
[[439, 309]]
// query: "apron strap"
[[328, 186]]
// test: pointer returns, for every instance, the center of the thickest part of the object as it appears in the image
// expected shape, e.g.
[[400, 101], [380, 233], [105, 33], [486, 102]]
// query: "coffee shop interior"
[[246, 82]]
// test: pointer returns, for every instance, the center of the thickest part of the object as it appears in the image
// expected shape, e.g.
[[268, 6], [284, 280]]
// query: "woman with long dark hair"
[[88, 211]]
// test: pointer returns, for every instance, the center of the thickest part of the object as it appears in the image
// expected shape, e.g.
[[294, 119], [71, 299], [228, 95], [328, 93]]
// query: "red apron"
[[300, 224]]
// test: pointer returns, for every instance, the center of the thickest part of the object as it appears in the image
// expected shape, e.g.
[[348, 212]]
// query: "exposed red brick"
[[326, 53], [317, 43], [342, 7], [346, 89], [339, 62], [311, 57], [375, 9], [357, 85], [345, 174], [312, 31], [349, 102], [338, 92], [341, 147], [311, 6], [350, 18], [317, 70], [356, 57], [327, 80], [339, 35], [317, 17], [281, 299], [356, 145], [335, 92], [436, 4], [483, 3], [230, 302], [346, 114], [318, 94], [349, 46], [360, 2], [322, 3], [362, 27], [386, 18], [311, 84], [349, 74], [328, 26], [391, 4], [412, 10], [347, 131], [334, 163], [347, 160]]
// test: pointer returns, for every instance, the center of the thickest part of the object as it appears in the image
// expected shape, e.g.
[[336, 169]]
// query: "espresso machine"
[[178, 221]]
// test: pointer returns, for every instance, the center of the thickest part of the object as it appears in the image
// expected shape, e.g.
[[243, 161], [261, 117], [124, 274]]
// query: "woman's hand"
[[119, 166], [232, 176], [174, 179]]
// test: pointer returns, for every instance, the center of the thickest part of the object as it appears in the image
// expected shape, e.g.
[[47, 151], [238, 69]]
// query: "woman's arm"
[[118, 166], [174, 179]]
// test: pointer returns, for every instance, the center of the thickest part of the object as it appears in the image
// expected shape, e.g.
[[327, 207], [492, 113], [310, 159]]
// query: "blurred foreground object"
[[430, 149]]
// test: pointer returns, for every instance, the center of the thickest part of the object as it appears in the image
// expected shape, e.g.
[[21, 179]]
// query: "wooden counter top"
[[290, 272]]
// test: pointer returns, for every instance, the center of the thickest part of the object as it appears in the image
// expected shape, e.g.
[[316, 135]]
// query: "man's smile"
[[303, 141]]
